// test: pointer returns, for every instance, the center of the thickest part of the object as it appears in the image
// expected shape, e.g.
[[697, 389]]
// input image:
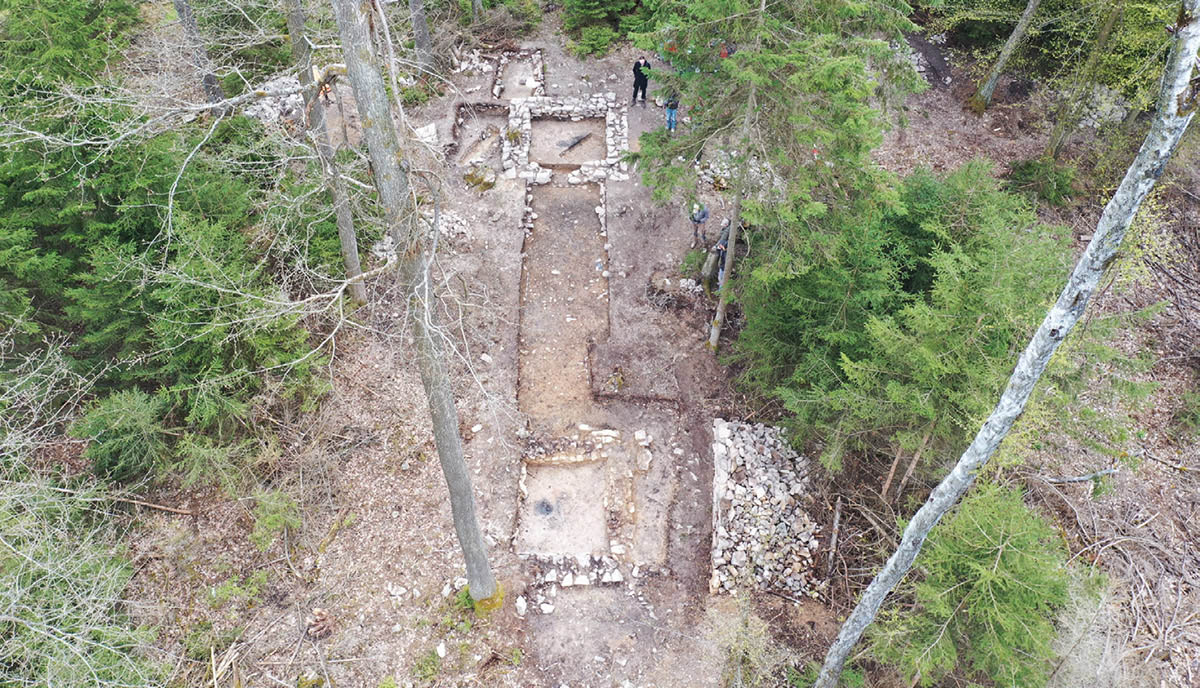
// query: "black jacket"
[[641, 72]]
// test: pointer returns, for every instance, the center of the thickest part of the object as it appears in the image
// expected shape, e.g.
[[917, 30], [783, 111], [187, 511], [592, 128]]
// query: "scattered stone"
[[522, 606], [441, 649], [427, 134], [644, 459]]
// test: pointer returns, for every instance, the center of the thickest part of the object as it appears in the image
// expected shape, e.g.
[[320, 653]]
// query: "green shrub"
[[594, 40], [992, 578], [201, 641], [128, 440], [274, 513], [427, 666], [245, 591], [418, 94], [850, 678], [527, 13], [1062, 34], [579, 14], [1046, 179]]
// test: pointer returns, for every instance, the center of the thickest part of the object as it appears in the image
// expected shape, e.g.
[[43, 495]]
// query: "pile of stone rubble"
[[451, 226], [718, 167], [762, 535], [1105, 106], [472, 62], [272, 109]]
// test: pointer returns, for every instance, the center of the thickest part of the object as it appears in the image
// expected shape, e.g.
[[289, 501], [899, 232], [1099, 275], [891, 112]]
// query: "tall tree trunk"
[[1177, 103], [316, 122], [421, 41], [191, 33], [983, 97], [714, 333], [1071, 110], [391, 180], [476, 10]]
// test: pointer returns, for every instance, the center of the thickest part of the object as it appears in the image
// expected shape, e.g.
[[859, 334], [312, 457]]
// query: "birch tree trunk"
[[421, 41], [983, 97], [199, 56], [476, 10], [391, 180], [1177, 103], [320, 132], [1072, 109]]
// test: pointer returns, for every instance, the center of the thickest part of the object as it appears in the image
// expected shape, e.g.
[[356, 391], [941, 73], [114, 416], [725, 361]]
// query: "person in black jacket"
[[641, 79]]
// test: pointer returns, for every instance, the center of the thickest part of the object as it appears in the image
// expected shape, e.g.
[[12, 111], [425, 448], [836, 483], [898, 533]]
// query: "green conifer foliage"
[[894, 324], [85, 36], [978, 271], [993, 575], [580, 13]]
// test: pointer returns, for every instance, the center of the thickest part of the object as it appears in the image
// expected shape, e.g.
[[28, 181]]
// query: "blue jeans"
[[671, 113]]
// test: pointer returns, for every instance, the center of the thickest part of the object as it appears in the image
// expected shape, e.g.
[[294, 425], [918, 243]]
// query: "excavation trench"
[[564, 306]]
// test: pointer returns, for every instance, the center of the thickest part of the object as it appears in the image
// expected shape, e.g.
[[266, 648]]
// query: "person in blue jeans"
[[672, 112]]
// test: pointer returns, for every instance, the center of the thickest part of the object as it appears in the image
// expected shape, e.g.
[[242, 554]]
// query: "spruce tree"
[[799, 147]]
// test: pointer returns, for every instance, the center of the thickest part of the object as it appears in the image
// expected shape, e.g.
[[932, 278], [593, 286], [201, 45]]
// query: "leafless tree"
[[421, 40], [317, 129], [191, 31], [392, 181], [1177, 103]]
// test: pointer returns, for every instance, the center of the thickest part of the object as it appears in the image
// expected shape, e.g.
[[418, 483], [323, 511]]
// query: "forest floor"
[[565, 360]]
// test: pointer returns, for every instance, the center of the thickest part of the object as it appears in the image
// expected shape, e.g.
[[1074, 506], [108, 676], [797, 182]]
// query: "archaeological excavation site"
[[599, 344]]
